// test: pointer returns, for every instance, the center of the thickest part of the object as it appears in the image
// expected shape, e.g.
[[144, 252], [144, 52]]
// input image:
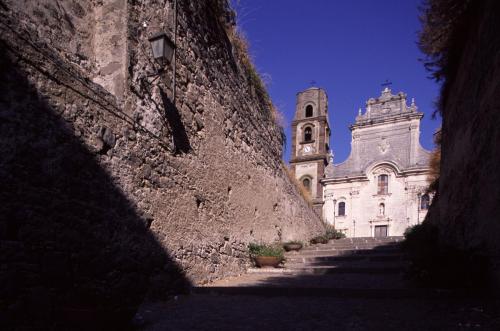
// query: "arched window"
[[307, 134], [341, 208], [309, 111], [425, 202], [383, 184], [381, 209], [306, 182]]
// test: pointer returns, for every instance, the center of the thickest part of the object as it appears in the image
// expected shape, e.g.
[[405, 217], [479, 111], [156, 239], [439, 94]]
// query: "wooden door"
[[380, 231]]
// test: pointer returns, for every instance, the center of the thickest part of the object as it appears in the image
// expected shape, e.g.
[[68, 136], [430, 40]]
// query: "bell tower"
[[310, 142]]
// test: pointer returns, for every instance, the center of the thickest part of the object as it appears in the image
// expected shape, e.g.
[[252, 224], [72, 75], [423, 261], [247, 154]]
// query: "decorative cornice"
[[308, 119], [363, 177], [306, 158], [374, 121]]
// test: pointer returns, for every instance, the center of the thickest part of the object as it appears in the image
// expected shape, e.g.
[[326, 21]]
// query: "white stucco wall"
[[362, 210]]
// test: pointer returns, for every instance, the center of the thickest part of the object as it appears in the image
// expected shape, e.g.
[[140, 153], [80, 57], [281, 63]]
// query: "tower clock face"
[[307, 149]]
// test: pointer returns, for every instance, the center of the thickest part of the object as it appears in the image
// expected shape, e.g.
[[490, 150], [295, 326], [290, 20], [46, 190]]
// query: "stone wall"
[[467, 210], [109, 186]]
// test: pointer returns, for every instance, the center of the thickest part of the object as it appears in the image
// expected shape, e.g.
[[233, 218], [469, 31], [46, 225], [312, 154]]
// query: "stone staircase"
[[349, 268], [347, 256], [353, 267]]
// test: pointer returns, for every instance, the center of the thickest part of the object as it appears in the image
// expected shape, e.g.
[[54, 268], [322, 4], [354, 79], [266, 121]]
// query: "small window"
[[424, 202], [307, 134], [309, 111], [341, 208], [383, 184], [381, 209], [306, 182]]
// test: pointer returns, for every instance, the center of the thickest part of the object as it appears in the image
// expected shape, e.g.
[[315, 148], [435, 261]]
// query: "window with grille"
[[383, 184]]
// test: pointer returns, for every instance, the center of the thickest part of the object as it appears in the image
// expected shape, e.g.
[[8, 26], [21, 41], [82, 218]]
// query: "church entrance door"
[[380, 231]]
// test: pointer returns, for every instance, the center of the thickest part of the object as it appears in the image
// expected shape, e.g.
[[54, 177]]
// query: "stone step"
[[367, 245], [344, 269], [349, 268], [360, 246], [359, 257], [342, 252], [368, 240], [346, 264]]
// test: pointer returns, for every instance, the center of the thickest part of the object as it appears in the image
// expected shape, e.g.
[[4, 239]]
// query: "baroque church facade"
[[380, 190]]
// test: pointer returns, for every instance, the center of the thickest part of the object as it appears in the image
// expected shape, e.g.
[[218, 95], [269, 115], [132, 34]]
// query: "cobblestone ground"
[[205, 312]]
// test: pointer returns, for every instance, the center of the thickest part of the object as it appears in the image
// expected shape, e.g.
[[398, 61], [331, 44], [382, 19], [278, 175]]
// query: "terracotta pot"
[[267, 261], [292, 247]]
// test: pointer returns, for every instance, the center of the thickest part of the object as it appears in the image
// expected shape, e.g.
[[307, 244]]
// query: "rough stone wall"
[[467, 210], [109, 190], [233, 189]]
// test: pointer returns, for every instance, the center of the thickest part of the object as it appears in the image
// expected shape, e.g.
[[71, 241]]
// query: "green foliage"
[[332, 233], [445, 23], [266, 250], [437, 265]]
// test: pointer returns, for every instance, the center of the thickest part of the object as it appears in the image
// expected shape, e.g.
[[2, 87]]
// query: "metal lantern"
[[163, 48]]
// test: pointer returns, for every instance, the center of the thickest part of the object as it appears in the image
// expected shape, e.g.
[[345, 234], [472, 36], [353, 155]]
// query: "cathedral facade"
[[380, 190]]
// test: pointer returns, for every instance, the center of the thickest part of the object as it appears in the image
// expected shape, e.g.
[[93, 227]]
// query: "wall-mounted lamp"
[[164, 52], [163, 48]]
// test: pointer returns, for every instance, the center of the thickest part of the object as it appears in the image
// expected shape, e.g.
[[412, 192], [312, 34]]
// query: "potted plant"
[[323, 239], [292, 246], [266, 255]]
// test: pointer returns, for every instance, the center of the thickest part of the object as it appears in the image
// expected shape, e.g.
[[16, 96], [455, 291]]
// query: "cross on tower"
[[386, 84]]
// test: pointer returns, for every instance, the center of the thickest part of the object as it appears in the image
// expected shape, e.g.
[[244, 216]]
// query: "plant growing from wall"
[[300, 188], [228, 19], [434, 164]]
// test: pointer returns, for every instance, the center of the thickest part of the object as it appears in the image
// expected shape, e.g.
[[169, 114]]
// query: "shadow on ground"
[[375, 299], [76, 254]]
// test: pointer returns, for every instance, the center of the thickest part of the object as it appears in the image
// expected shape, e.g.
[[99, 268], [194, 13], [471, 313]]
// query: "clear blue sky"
[[348, 47]]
